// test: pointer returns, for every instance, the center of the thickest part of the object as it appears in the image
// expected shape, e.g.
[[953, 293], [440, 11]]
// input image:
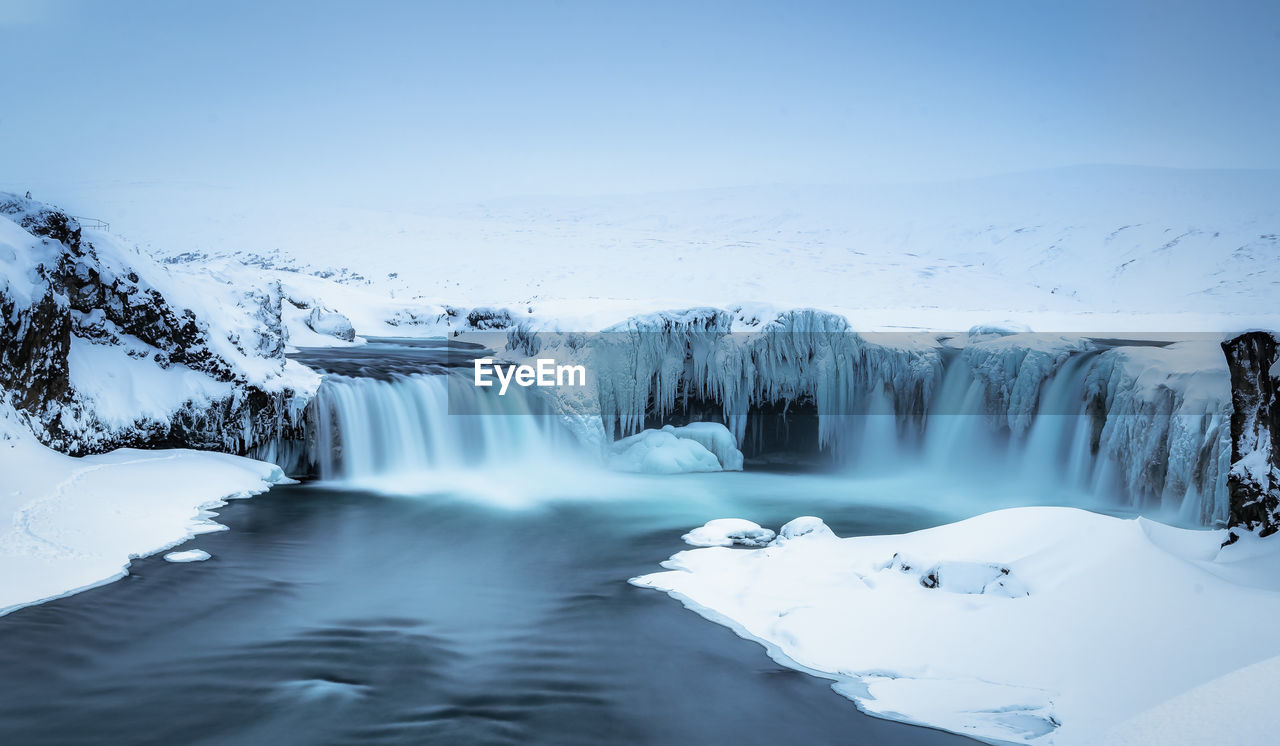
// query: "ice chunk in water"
[[190, 555]]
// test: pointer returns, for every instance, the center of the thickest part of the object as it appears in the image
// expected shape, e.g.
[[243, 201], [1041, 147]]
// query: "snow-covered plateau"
[[1082, 249]]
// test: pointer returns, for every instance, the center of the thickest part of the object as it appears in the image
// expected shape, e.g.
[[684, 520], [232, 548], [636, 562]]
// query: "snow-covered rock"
[[979, 332], [726, 532], [807, 527], [89, 321], [331, 323]]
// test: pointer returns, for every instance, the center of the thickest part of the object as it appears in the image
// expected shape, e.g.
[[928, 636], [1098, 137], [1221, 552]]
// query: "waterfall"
[[369, 428], [1137, 425], [957, 431], [1104, 422]]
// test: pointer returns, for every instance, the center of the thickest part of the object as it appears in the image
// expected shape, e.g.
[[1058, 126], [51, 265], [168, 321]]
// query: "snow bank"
[[20, 255], [698, 446], [1029, 625], [68, 524], [1238, 708]]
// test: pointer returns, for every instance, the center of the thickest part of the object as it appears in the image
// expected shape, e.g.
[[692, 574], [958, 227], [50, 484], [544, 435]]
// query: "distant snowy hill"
[[1098, 247]]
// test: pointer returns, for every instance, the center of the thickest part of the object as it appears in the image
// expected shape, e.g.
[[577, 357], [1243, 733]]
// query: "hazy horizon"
[[431, 103]]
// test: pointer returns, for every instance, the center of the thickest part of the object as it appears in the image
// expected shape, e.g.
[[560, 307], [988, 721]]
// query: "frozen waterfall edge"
[[1148, 423]]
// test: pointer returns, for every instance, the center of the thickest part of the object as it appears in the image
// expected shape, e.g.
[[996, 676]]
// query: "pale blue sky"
[[435, 100]]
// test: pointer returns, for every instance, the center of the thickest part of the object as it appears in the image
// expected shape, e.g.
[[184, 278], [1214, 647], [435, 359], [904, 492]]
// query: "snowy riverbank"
[[69, 524], [1028, 625]]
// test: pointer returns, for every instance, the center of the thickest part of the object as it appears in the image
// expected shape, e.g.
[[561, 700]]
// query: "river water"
[[345, 616], [453, 580]]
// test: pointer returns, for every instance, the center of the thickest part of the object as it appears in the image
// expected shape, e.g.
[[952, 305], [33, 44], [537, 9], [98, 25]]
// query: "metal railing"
[[92, 223]]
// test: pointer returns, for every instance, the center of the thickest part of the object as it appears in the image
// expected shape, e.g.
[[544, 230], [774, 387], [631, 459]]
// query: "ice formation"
[[1146, 420], [699, 446], [322, 320], [661, 452], [189, 555]]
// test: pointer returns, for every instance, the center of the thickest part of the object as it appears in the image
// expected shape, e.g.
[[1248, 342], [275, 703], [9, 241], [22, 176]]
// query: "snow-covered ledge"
[[1028, 625]]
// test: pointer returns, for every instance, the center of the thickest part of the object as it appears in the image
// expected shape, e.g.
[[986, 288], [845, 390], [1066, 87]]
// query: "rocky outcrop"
[[1254, 480], [60, 290]]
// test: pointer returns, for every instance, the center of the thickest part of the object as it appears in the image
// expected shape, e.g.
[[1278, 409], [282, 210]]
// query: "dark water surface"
[[341, 617]]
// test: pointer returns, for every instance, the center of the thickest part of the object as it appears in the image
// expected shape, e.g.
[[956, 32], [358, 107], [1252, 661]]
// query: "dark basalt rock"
[[1254, 481], [33, 353], [489, 319]]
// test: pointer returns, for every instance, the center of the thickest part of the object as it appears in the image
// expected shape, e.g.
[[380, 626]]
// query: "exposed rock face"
[[61, 290], [35, 330], [1254, 481]]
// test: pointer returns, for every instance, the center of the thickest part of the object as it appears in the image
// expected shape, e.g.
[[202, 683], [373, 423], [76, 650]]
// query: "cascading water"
[[367, 428], [1139, 426], [957, 429], [1124, 445]]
